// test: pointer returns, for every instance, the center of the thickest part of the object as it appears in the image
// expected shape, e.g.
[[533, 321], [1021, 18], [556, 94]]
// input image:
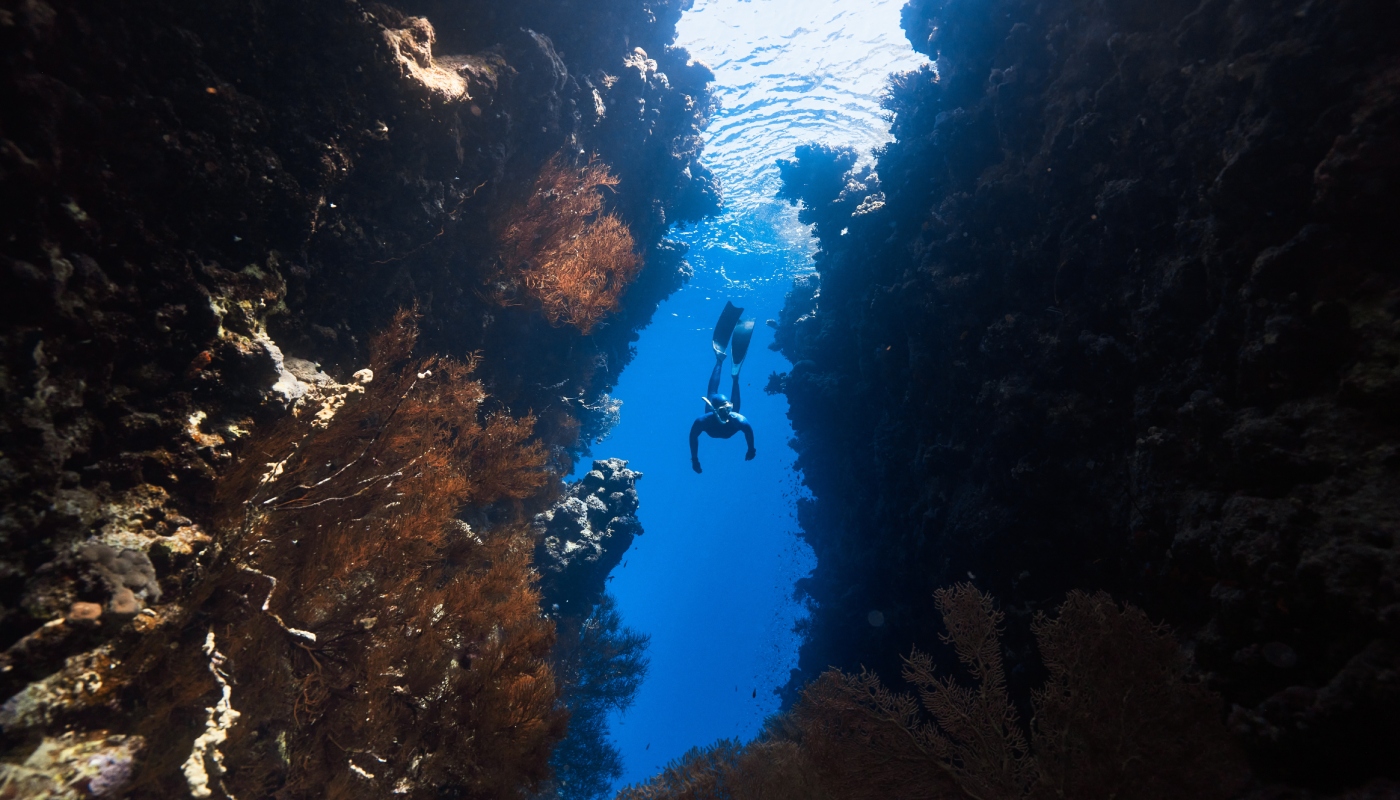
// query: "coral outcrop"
[[584, 535], [1117, 310]]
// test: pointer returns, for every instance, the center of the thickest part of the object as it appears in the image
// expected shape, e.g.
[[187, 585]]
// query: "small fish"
[[648, 747], [755, 694]]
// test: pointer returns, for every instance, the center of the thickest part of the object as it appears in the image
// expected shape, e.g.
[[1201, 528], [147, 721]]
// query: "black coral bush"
[[1117, 718], [575, 259], [376, 644], [600, 664]]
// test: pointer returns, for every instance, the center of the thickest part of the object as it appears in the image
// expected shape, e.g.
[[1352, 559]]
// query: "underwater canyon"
[[313, 315]]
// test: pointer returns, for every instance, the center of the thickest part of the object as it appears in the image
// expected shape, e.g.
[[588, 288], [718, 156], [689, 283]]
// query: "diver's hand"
[[749, 455], [695, 464]]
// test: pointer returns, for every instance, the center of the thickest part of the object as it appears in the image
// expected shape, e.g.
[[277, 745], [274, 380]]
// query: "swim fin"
[[727, 319], [740, 344]]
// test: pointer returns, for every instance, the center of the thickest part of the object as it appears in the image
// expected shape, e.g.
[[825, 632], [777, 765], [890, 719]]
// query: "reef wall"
[[208, 212], [1118, 309]]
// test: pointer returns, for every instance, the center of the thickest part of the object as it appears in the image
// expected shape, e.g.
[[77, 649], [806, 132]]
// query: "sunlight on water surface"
[[787, 73]]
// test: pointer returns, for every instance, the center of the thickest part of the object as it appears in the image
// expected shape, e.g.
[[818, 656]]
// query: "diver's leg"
[[734, 391], [714, 374]]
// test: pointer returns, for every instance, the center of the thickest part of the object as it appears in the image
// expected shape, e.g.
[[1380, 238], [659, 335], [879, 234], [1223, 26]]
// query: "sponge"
[[125, 573]]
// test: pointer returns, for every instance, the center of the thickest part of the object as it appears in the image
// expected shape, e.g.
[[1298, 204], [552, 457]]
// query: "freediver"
[[722, 418]]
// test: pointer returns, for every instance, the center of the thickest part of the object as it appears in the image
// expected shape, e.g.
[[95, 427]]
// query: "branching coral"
[[445, 626], [397, 654], [73, 767], [85, 682], [1117, 718], [576, 260]]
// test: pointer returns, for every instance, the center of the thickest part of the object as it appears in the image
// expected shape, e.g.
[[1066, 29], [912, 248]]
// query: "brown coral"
[[575, 260], [1117, 718], [386, 645]]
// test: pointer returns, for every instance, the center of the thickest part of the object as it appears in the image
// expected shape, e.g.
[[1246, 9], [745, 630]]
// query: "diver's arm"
[[695, 444], [748, 437]]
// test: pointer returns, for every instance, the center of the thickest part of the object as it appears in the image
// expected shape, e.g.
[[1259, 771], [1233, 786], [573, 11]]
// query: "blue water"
[[711, 581]]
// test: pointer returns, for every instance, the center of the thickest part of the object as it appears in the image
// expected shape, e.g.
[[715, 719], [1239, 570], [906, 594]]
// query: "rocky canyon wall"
[[1118, 309]]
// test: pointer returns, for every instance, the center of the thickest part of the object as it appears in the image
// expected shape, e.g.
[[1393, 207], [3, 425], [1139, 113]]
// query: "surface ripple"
[[786, 73]]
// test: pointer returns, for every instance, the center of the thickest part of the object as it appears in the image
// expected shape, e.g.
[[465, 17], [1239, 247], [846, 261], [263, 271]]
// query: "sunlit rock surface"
[[1119, 311], [71, 767]]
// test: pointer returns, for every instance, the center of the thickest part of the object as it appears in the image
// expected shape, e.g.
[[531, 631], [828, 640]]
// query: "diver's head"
[[720, 404]]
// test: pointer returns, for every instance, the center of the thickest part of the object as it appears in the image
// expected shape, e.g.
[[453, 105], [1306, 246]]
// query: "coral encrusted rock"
[[583, 536]]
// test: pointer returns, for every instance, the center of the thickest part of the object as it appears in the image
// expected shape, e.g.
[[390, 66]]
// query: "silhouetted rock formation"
[[1118, 310], [584, 535]]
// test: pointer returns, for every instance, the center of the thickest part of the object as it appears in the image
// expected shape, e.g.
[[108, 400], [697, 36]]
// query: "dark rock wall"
[[193, 194], [1120, 311], [206, 212]]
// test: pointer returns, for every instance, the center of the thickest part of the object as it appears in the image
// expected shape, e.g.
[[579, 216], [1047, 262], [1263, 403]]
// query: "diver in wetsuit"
[[722, 418]]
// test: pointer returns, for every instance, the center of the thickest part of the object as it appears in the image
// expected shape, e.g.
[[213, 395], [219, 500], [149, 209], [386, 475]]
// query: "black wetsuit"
[[710, 422]]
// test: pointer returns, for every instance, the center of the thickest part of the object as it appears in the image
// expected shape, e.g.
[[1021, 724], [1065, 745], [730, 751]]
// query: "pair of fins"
[[731, 333]]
